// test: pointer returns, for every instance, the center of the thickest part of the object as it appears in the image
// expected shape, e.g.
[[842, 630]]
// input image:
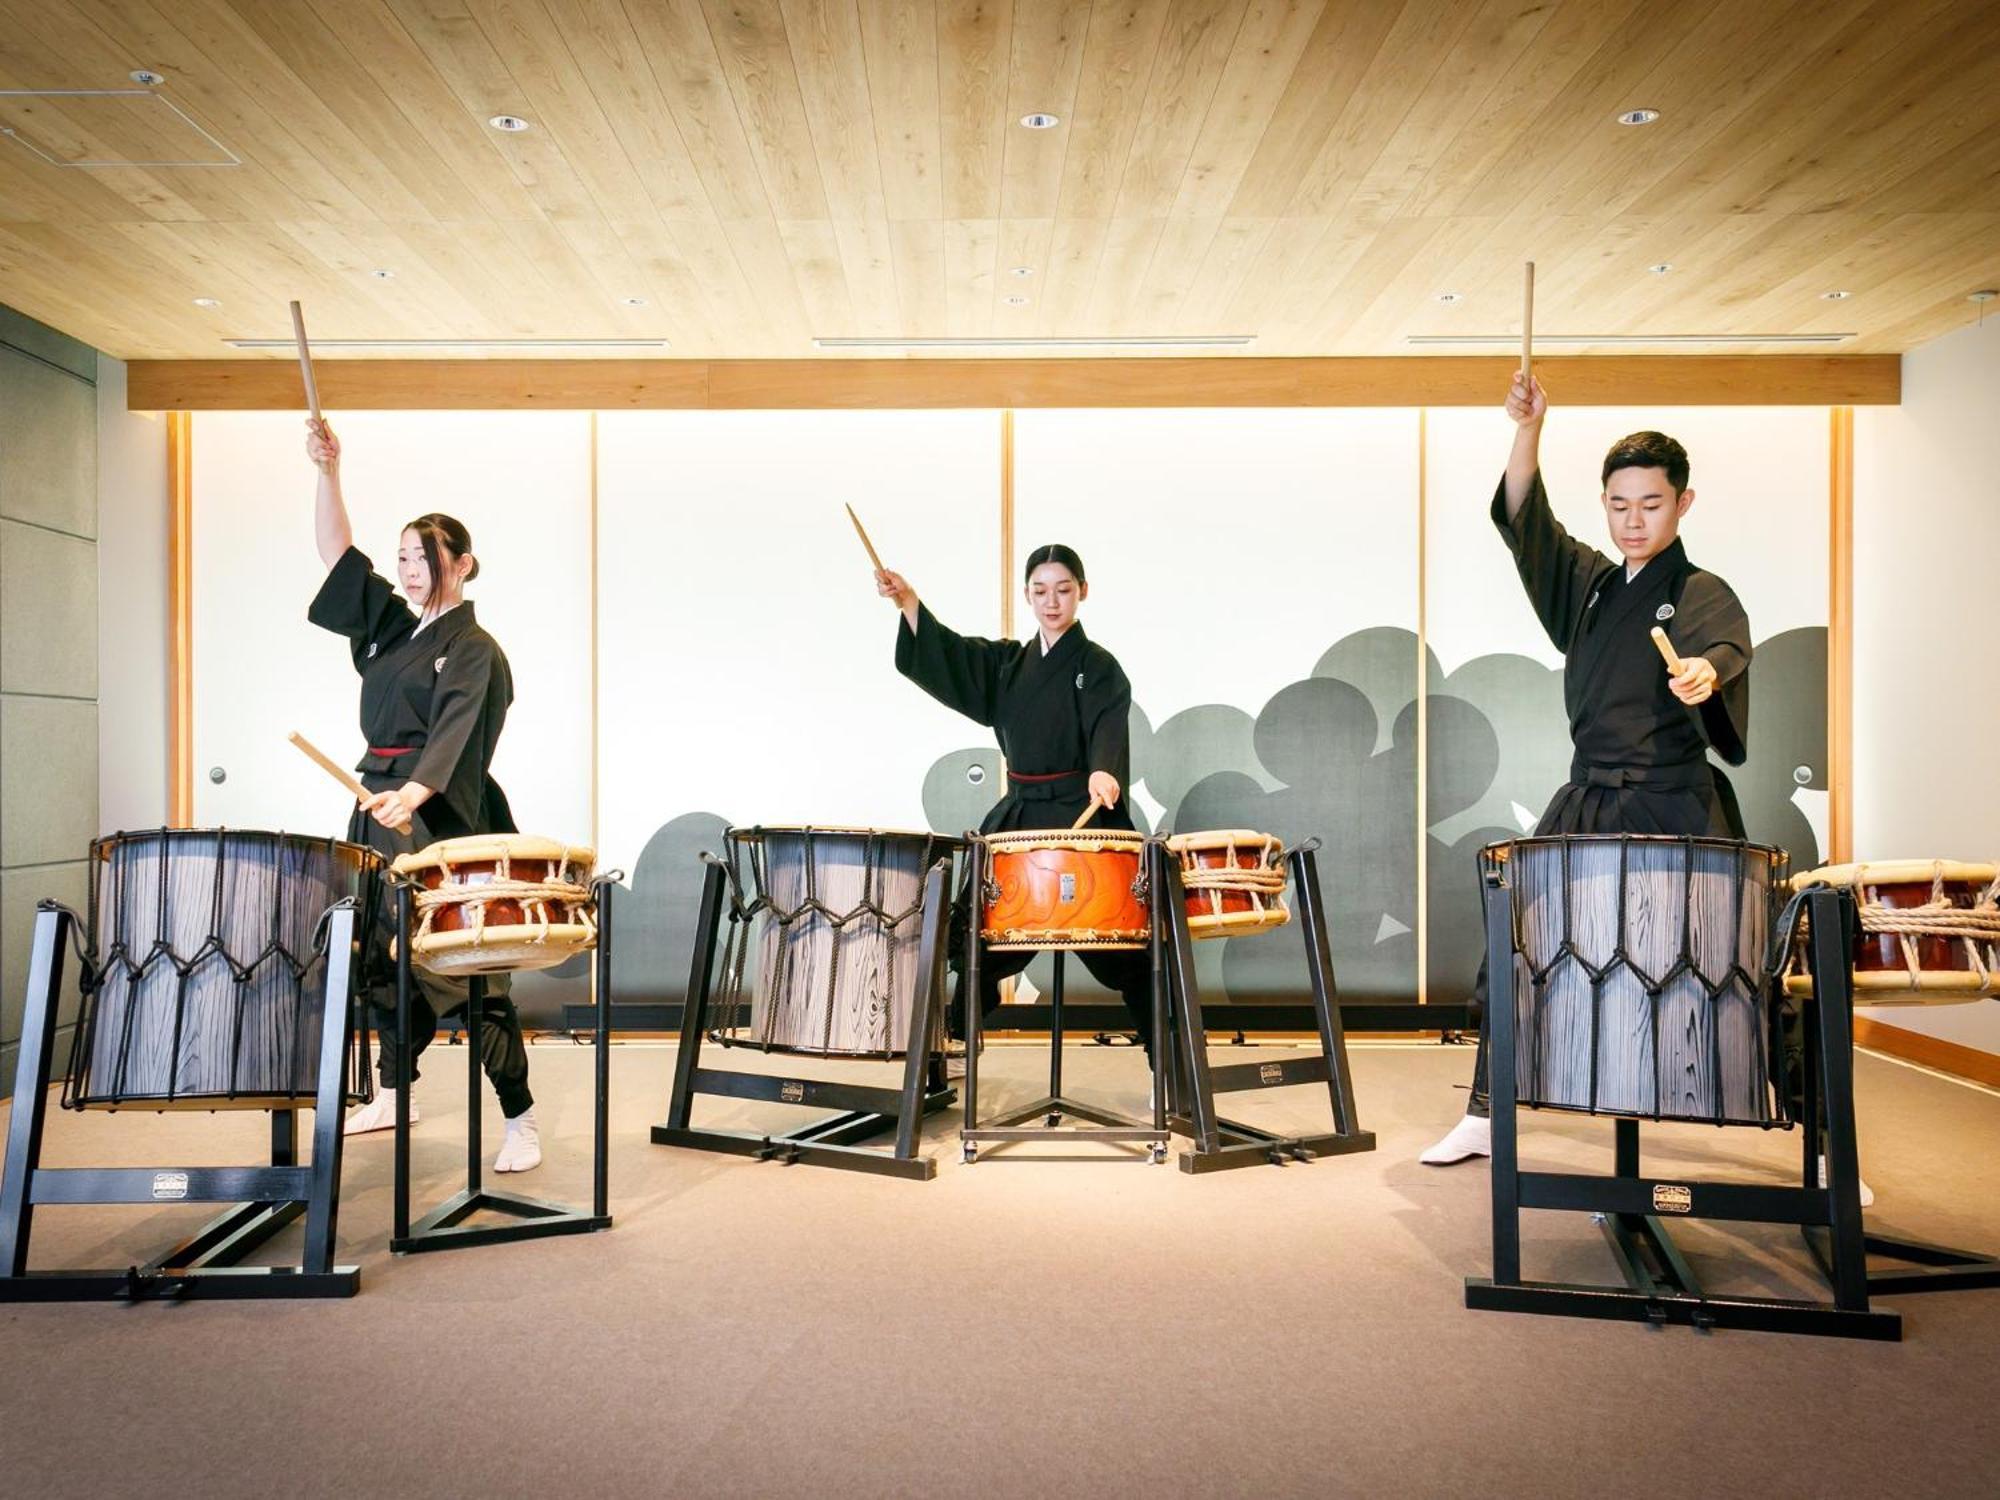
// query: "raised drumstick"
[[338, 772], [1088, 813], [1674, 666], [305, 360], [862, 532], [306, 368], [1528, 329]]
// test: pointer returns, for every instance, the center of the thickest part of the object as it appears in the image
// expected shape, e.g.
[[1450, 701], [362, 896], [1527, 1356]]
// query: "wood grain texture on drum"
[[1632, 957]]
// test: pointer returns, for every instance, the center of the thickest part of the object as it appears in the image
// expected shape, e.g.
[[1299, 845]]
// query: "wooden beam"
[[779, 384], [1955, 1058]]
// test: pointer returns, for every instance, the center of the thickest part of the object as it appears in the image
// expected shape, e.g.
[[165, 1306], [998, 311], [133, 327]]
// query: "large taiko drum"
[[495, 903], [1642, 978], [1071, 890], [838, 914], [1930, 931], [206, 985], [1235, 881]]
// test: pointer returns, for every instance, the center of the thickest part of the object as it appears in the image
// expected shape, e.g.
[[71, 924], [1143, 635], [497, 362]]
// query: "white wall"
[[1227, 549], [1926, 545], [746, 662], [133, 640]]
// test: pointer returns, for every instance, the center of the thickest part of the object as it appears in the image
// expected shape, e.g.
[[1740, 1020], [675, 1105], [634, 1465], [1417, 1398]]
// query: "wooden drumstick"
[[306, 369], [1674, 664], [862, 532], [1088, 813], [338, 772], [1528, 329], [305, 360]]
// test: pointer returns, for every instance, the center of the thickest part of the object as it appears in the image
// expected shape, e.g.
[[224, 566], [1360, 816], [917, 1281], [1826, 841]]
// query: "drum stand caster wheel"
[[969, 1152], [1159, 1153]]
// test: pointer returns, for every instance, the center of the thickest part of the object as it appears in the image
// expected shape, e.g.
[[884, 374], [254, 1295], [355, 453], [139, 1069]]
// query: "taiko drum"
[[1065, 890], [499, 902], [1930, 931], [1235, 881]]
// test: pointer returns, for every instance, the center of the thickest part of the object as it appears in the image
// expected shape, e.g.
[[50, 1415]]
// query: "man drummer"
[[1641, 736]]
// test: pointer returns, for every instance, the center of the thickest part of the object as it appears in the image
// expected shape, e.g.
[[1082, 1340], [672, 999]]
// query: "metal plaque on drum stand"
[[1640, 970], [1219, 1144], [445, 1227], [826, 906], [219, 976]]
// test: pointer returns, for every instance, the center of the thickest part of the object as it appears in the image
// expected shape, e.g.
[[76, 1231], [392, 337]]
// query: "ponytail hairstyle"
[[440, 534], [1054, 552]]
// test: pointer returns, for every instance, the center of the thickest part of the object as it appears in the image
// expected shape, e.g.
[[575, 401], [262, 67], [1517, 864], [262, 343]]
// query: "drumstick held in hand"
[[862, 532], [1088, 813], [306, 370], [1674, 664], [1528, 329], [338, 772]]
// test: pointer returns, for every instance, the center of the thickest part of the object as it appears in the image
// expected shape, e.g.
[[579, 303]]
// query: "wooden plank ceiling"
[[742, 176]]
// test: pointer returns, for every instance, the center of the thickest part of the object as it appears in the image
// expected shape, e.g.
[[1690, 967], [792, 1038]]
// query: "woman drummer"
[[434, 695], [1060, 706]]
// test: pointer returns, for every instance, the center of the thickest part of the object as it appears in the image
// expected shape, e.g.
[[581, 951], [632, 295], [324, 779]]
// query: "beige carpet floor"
[[1014, 1328]]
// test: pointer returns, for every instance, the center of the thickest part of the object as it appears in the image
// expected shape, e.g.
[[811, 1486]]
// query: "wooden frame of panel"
[[180, 618]]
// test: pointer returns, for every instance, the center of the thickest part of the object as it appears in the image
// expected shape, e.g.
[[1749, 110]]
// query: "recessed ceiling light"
[[1040, 121], [512, 124], [206, 302], [147, 77], [1662, 268], [1449, 297], [383, 273], [633, 301], [1021, 271], [1639, 117], [1017, 301], [1835, 296]]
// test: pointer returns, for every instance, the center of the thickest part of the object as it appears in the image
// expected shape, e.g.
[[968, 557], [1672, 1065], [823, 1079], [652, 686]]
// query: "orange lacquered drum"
[[496, 902], [1235, 881], [1079, 889], [1930, 931]]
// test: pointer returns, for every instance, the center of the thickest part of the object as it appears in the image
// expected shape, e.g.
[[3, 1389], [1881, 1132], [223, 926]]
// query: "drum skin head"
[[1898, 872], [487, 848]]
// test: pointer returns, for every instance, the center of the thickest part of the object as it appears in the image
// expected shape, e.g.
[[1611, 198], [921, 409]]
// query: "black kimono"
[[1641, 763], [433, 702], [1059, 716], [1641, 760]]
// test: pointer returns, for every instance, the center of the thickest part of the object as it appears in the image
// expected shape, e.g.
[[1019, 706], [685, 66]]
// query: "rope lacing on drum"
[[1534, 1069], [533, 896], [132, 958], [742, 912], [1213, 882], [1973, 926]]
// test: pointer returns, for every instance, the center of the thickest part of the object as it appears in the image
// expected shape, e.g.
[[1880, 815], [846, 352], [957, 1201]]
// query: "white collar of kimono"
[[1050, 645], [1632, 569], [430, 620]]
